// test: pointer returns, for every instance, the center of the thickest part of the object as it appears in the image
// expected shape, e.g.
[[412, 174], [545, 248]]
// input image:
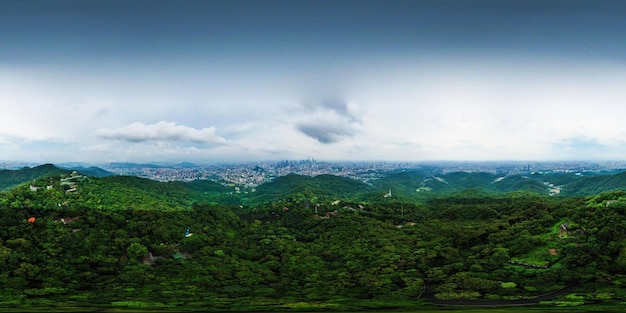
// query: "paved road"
[[429, 296]]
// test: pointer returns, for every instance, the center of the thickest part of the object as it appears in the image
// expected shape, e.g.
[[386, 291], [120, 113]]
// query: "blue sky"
[[212, 81]]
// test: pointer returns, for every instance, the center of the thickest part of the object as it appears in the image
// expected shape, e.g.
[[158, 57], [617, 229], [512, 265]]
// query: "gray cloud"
[[326, 134], [337, 106], [328, 121], [162, 131]]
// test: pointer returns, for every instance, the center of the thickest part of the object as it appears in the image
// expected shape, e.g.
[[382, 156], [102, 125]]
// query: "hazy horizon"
[[536, 164], [233, 81]]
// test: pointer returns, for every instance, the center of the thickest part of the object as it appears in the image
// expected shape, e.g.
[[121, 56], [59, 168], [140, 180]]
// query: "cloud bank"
[[162, 131]]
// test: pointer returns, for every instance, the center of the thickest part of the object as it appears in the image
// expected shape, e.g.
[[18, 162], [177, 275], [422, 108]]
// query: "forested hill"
[[132, 242], [304, 188], [409, 185], [595, 184], [92, 171], [410, 182], [120, 192], [12, 178]]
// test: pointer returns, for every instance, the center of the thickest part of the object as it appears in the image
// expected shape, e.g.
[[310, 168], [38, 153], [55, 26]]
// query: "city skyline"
[[217, 81]]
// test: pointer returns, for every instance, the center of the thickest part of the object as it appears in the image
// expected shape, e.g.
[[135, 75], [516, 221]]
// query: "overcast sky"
[[211, 81]]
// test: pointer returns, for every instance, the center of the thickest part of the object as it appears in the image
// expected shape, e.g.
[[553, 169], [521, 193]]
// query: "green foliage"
[[123, 241], [509, 284], [138, 304], [136, 251]]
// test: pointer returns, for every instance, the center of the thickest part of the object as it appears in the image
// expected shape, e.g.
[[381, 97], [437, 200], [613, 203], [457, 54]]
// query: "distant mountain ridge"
[[408, 182], [402, 185], [92, 171], [132, 165], [151, 165], [416, 181]]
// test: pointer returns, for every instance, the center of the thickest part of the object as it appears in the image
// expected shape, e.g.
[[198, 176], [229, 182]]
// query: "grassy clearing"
[[540, 255]]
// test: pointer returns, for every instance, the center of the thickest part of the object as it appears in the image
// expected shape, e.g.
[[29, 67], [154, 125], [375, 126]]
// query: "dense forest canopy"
[[313, 242]]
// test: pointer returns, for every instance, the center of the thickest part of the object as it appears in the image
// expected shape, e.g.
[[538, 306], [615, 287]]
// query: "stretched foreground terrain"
[[307, 243]]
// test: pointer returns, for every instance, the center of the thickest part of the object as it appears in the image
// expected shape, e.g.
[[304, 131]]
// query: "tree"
[[136, 251]]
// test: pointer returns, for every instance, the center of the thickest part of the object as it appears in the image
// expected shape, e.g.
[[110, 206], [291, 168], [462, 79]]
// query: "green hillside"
[[519, 183], [122, 192], [416, 184], [596, 184], [558, 179], [458, 181], [303, 188], [12, 178], [404, 184]]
